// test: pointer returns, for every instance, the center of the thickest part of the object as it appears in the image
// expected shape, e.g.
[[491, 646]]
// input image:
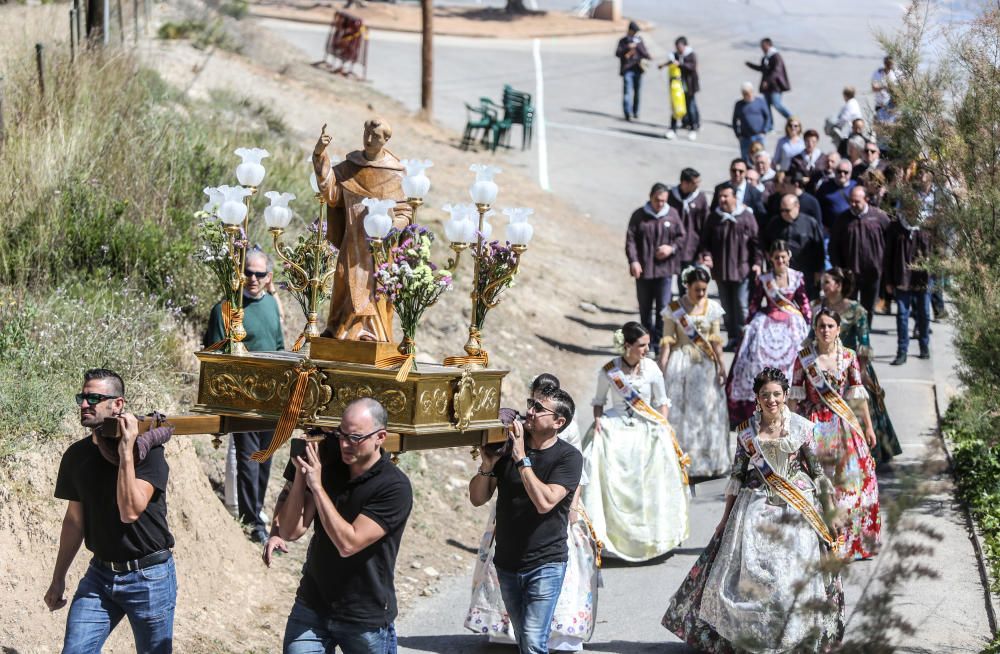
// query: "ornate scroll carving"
[[392, 399], [235, 386], [434, 403], [464, 400]]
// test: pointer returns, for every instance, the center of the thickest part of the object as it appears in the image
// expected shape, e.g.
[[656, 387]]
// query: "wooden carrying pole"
[[186, 425]]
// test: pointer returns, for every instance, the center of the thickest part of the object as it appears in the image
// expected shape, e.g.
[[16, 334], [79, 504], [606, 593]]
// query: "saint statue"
[[372, 172]]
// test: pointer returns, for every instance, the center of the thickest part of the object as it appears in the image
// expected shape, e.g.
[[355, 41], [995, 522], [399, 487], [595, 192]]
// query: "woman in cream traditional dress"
[[778, 323], [636, 495], [574, 619], [827, 389], [695, 376], [838, 285], [760, 585]]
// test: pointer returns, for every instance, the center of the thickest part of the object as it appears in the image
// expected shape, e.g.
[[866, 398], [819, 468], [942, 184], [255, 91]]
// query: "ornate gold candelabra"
[[238, 252], [315, 280]]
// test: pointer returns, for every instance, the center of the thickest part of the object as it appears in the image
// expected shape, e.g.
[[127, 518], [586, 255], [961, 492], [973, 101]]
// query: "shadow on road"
[[462, 546], [575, 349], [606, 326]]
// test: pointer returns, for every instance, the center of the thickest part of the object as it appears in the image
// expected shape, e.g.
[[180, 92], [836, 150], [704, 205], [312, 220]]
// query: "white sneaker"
[[670, 135], [693, 136]]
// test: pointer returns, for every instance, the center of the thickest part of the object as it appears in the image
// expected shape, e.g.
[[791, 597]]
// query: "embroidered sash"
[[831, 398], [632, 397], [781, 486], [683, 318], [775, 295]]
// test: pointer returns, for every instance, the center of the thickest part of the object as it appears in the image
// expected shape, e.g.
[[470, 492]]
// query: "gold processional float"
[[371, 259]]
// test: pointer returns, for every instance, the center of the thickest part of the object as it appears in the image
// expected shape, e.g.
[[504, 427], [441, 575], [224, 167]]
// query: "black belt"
[[135, 564]]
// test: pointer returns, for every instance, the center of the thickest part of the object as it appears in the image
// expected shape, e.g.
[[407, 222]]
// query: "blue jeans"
[[653, 296], [735, 299], [530, 598], [774, 101], [920, 303], [746, 142], [692, 119], [147, 597], [632, 81], [307, 632]]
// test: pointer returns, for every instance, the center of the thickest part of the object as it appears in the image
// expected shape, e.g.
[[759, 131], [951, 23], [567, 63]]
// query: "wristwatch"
[[523, 463]]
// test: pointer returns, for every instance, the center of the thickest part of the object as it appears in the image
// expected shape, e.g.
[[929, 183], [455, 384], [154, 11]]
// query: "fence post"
[[135, 19], [72, 36], [78, 9], [106, 25], [3, 129], [121, 22], [41, 68]]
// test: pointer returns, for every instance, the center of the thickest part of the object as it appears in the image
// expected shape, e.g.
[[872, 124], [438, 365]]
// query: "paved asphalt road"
[[605, 167]]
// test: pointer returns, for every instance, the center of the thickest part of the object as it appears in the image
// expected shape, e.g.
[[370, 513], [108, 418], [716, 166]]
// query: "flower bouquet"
[[307, 268], [411, 283]]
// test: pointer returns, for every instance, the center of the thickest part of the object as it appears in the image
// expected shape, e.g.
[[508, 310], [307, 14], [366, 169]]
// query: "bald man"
[[804, 236]]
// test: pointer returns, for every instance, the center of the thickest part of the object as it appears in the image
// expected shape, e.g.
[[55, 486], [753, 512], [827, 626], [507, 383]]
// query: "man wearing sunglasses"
[[119, 512], [535, 481], [358, 503], [262, 321]]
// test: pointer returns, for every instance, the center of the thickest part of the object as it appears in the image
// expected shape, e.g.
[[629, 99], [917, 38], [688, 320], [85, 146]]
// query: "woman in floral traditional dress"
[[573, 622], [778, 323], [759, 585], [695, 376], [827, 389], [636, 494], [838, 285]]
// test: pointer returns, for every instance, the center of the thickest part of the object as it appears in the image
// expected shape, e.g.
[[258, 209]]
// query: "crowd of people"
[[802, 247]]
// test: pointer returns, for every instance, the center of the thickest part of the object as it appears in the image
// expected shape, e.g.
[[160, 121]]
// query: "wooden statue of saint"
[[372, 172]]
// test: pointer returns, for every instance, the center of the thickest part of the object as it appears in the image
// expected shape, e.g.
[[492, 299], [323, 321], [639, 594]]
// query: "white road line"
[[626, 135], [543, 150]]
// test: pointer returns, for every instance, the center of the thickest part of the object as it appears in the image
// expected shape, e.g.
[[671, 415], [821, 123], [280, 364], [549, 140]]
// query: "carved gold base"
[[437, 406]]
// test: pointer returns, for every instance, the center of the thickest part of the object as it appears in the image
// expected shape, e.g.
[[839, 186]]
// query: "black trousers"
[[251, 476], [654, 296], [868, 290]]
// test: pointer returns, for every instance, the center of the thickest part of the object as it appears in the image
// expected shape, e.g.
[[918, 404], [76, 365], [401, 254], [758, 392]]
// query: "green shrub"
[[237, 9], [49, 342]]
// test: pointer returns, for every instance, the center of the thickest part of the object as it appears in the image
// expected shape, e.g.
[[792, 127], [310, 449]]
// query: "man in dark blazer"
[[746, 194], [773, 78]]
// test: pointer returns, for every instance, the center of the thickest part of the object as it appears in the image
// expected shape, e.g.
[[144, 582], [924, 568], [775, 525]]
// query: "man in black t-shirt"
[[359, 503], [535, 481], [118, 508]]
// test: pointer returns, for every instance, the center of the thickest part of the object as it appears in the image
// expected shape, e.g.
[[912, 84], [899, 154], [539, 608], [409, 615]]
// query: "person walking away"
[[773, 80], [116, 488], [632, 56], [535, 481], [653, 243], [684, 56], [750, 120], [262, 321]]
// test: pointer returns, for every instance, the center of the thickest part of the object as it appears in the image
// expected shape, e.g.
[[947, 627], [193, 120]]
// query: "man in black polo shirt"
[[118, 507], [359, 502], [536, 480]]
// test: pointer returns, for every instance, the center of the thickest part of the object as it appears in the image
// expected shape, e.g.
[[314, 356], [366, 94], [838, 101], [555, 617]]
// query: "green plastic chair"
[[477, 118]]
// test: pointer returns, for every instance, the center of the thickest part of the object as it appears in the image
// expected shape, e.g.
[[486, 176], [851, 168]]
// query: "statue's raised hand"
[[322, 143]]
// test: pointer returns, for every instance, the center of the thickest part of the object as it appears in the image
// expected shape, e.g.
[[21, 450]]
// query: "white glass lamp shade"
[[519, 231], [251, 172], [461, 228], [232, 210], [377, 222], [313, 184], [215, 200], [415, 183], [484, 189], [278, 215]]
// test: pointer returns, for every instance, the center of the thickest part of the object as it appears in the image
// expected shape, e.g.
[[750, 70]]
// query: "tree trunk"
[[427, 59], [516, 7]]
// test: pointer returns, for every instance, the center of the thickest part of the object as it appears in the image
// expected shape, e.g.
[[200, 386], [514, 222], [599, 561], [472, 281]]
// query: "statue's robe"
[[355, 314]]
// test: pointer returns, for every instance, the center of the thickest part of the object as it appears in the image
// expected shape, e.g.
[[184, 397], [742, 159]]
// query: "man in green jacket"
[[262, 322]]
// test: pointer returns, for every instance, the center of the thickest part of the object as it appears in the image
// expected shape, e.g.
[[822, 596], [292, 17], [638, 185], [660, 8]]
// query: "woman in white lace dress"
[[637, 495], [695, 376], [574, 619]]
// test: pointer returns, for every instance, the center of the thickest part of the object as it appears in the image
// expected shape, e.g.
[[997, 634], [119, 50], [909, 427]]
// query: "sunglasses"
[[843, 172], [94, 399], [741, 171], [354, 439], [537, 407], [256, 273]]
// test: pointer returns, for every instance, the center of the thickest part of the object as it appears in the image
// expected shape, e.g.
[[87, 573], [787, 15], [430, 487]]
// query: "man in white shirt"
[[882, 81]]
